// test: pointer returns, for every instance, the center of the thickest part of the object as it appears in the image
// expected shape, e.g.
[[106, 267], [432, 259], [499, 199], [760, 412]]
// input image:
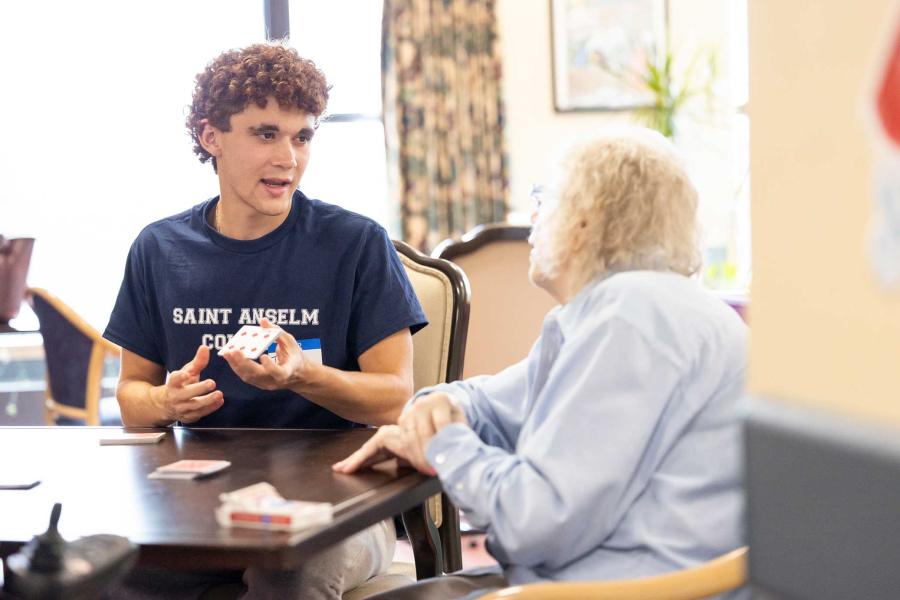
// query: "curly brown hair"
[[237, 77]]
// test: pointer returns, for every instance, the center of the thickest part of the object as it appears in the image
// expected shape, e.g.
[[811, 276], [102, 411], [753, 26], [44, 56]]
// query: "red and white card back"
[[252, 340]]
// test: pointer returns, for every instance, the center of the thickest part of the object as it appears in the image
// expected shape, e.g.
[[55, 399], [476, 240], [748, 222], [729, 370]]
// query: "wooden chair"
[[438, 349], [727, 572], [444, 293], [507, 309], [75, 353]]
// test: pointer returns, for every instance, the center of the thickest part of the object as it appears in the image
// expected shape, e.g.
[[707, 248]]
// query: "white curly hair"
[[626, 203]]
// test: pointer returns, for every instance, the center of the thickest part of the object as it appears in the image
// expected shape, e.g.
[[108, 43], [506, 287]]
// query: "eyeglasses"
[[540, 195]]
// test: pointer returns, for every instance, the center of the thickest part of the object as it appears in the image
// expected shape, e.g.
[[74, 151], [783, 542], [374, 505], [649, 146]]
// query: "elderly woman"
[[613, 450]]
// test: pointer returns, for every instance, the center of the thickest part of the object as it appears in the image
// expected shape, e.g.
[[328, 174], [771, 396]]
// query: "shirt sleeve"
[[131, 322], [562, 492], [494, 404], [384, 301]]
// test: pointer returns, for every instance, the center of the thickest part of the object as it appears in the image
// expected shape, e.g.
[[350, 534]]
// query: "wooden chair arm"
[[718, 575], [74, 318], [109, 347]]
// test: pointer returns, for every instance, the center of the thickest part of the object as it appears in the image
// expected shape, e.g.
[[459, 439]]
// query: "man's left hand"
[[291, 366]]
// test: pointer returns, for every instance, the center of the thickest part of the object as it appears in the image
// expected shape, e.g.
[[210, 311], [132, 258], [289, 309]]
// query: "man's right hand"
[[184, 397]]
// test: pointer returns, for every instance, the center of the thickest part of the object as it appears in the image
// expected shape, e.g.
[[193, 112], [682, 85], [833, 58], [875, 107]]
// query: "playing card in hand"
[[251, 340]]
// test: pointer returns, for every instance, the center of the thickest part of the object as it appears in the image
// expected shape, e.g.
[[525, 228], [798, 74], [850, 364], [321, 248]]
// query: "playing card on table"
[[189, 469], [122, 439], [252, 340]]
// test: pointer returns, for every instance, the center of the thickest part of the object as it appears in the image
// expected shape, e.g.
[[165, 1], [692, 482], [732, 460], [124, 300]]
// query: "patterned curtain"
[[443, 116]]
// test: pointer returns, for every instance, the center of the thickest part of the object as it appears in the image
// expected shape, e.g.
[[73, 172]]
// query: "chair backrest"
[[722, 574], [74, 352], [438, 353], [507, 310], [443, 292]]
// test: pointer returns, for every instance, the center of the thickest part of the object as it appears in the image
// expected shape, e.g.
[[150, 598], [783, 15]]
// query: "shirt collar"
[[298, 202], [570, 315]]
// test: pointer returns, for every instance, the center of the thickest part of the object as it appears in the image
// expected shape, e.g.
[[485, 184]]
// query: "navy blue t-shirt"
[[325, 274]]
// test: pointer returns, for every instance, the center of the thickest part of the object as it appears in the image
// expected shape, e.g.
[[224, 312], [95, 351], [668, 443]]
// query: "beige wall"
[[537, 136], [823, 331]]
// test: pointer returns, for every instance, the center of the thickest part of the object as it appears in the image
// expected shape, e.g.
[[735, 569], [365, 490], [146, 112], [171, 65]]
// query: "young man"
[[613, 450], [263, 253]]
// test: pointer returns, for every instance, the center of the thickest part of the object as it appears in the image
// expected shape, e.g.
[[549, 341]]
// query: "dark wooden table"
[[104, 489]]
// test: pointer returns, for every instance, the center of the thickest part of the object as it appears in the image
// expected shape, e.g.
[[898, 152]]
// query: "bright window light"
[[95, 147], [321, 31], [347, 166]]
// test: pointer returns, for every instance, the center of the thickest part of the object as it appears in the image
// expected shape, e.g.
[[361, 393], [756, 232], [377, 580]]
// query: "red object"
[[258, 518], [889, 95], [15, 256]]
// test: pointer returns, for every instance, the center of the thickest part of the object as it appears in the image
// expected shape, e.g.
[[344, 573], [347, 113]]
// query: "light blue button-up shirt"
[[613, 450]]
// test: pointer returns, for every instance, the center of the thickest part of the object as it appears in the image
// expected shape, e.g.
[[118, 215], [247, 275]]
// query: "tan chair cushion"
[[506, 311], [431, 345]]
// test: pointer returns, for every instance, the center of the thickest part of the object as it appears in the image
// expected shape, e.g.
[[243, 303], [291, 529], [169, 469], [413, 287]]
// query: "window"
[[347, 167], [717, 146], [95, 147]]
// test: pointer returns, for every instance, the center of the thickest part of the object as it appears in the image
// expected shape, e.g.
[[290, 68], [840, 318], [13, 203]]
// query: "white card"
[[189, 469], [119, 439], [201, 467], [252, 340], [171, 475]]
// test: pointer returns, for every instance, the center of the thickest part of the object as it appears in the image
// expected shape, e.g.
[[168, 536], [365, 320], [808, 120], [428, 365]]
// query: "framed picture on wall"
[[600, 49]]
